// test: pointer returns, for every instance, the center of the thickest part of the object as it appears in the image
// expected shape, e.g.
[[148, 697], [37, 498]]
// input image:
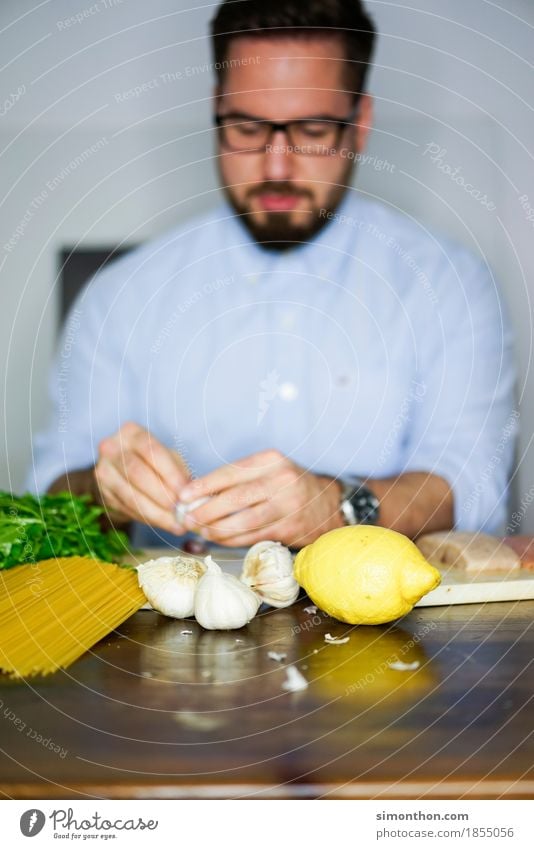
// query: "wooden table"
[[156, 713]]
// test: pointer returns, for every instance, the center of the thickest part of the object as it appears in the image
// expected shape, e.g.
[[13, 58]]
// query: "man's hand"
[[139, 479], [264, 496]]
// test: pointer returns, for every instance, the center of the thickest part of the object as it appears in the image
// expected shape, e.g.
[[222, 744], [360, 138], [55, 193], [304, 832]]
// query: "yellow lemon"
[[364, 575]]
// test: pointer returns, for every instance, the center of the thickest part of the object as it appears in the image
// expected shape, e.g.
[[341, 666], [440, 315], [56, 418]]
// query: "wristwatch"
[[358, 505]]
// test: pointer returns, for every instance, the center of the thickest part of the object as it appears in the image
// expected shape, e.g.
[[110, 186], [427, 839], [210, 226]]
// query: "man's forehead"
[[304, 73]]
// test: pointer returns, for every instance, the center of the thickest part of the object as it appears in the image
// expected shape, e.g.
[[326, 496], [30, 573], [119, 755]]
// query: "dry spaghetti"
[[53, 611]]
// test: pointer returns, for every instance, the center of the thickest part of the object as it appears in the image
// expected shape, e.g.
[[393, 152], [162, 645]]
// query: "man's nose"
[[278, 158]]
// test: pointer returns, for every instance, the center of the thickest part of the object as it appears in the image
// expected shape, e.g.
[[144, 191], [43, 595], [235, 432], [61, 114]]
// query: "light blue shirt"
[[374, 349]]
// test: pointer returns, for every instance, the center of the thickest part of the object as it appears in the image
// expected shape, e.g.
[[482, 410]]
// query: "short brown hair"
[[346, 19]]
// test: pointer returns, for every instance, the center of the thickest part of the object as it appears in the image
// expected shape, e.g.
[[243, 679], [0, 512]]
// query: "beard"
[[276, 230]]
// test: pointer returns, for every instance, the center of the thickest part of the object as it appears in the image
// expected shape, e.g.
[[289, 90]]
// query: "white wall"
[[456, 75]]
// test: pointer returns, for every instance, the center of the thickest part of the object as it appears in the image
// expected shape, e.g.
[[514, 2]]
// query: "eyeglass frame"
[[282, 126]]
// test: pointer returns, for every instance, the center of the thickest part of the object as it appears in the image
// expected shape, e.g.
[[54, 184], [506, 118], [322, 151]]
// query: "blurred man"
[[303, 356]]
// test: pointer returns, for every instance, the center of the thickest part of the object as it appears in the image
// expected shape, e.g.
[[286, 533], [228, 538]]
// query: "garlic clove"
[[170, 584], [222, 601], [280, 594], [268, 570], [183, 508], [266, 562]]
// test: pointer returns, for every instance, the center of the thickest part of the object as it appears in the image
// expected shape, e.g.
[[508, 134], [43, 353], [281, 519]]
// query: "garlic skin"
[[268, 570], [222, 602], [295, 680], [170, 584]]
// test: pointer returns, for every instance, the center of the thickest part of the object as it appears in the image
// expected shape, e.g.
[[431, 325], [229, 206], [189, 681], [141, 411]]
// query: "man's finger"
[[250, 468], [134, 503], [115, 510], [142, 477], [232, 500], [247, 521], [273, 532], [167, 464]]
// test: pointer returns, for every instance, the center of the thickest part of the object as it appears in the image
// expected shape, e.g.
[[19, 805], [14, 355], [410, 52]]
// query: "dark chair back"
[[77, 266]]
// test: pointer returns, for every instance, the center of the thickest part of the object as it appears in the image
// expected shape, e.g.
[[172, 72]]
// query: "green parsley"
[[62, 525]]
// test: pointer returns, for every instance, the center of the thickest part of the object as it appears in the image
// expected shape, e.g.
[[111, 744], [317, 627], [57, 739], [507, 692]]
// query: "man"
[[301, 357]]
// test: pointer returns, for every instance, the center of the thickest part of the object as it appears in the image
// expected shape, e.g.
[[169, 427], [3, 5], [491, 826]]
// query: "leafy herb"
[[36, 528]]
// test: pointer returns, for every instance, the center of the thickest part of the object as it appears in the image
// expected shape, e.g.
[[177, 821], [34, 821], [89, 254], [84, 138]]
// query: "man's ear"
[[363, 122]]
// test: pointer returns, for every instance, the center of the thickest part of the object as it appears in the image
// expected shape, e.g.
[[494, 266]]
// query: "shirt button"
[[288, 391], [288, 320]]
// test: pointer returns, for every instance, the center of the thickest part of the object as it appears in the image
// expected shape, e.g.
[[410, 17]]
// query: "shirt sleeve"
[[89, 387], [464, 421]]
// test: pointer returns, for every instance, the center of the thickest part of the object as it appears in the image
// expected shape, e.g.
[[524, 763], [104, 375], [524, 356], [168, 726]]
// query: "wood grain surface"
[[156, 713]]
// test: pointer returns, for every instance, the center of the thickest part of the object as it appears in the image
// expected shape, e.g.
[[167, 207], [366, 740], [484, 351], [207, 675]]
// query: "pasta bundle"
[[52, 611]]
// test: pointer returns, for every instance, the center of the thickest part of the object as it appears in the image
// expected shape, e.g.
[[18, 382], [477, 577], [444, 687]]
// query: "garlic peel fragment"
[[276, 655], [295, 680], [335, 641], [222, 601], [401, 666], [268, 570], [170, 583]]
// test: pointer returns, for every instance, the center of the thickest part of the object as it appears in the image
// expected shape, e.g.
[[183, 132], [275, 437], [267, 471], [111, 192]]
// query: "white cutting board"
[[461, 587], [457, 586]]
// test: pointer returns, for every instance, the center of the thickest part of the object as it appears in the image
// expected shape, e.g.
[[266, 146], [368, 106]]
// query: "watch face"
[[365, 505], [359, 505]]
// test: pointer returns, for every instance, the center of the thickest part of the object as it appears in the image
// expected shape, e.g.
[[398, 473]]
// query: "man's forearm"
[[414, 503]]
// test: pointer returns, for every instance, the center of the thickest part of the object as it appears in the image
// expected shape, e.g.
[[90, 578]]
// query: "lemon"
[[364, 575]]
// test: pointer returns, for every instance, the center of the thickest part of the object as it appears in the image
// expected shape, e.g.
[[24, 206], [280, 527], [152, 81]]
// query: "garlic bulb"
[[170, 584], [268, 570], [222, 602]]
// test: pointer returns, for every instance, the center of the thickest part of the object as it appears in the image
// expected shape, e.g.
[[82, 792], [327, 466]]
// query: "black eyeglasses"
[[319, 136]]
